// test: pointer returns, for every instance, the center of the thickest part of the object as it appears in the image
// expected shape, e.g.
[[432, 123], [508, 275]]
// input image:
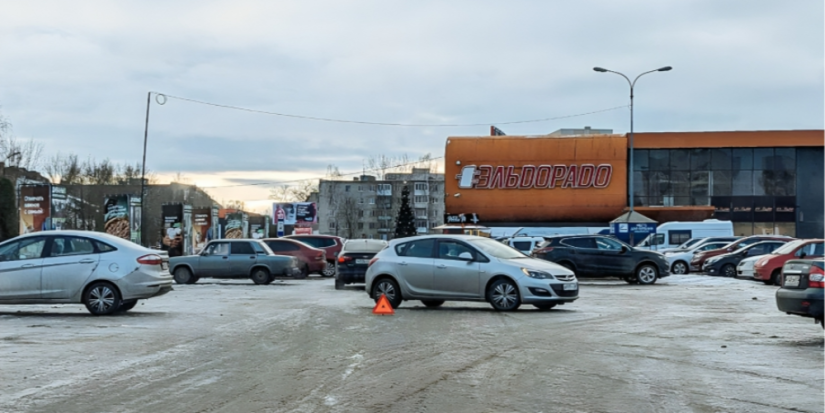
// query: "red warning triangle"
[[383, 307]]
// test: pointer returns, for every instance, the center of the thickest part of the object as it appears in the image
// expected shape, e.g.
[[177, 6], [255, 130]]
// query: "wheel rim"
[[647, 274], [102, 298], [730, 271], [329, 272], [260, 276], [385, 288], [504, 295], [183, 276], [679, 268]]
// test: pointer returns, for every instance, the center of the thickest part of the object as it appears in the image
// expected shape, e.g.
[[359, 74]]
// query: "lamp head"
[[664, 69], [599, 69]]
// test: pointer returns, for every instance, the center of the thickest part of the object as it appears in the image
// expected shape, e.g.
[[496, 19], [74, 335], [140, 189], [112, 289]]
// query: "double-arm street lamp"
[[632, 84]]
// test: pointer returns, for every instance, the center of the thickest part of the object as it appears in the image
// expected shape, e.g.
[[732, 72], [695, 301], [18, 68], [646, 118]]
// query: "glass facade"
[[753, 187]]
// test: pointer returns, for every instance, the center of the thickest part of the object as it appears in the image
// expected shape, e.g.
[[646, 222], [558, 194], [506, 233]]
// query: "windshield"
[[497, 249], [691, 242], [788, 248]]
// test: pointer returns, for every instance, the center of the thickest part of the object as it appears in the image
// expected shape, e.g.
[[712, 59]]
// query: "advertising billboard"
[[201, 227], [35, 208], [59, 210], [300, 214], [258, 227], [234, 225], [135, 213], [116, 216], [172, 232], [537, 179]]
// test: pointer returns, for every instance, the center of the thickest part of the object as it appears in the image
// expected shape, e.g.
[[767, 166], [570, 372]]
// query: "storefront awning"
[[677, 213]]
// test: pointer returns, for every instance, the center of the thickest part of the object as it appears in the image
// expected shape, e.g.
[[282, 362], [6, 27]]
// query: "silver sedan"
[[439, 268], [106, 273]]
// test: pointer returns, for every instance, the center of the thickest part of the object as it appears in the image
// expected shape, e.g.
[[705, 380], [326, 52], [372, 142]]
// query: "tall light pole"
[[632, 84], [161, 99]]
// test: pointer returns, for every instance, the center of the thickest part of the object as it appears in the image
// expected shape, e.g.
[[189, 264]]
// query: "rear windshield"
[[363, 246], [317, 242]]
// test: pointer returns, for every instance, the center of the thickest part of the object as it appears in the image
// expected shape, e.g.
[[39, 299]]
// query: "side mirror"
[[803, 254], [465, 256], [624, 249]]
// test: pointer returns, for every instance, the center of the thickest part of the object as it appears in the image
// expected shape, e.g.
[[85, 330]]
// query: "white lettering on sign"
[[33, 211], [31, 205], [32, 198], [538, 177]]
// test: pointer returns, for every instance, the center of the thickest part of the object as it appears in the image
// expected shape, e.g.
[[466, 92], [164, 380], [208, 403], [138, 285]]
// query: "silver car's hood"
[[538, 265]]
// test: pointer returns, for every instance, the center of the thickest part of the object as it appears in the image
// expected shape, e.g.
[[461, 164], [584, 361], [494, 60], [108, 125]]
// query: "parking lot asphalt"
[[688, 343]]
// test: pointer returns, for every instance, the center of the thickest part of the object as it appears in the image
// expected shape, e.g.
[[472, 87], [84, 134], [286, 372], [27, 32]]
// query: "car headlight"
[[539, 275]]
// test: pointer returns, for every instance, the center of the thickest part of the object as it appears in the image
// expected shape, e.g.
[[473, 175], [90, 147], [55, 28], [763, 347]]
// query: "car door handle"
[[441, 266], [226, 258], [27, 266], [402, 263], [87, 261], [251, 258]]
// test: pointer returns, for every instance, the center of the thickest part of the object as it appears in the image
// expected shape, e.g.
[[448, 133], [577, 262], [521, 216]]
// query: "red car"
[[769, 268], [329, 243], [312, 259], [700, 257]]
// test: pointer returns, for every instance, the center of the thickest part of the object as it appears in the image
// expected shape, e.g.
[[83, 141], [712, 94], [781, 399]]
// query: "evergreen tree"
[[405, 223], [8, 207]]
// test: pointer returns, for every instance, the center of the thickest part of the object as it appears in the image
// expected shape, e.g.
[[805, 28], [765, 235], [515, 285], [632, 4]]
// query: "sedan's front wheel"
[[646, 274], [729, 271], [329, 270], [503, 295], [389, 288], [101, 299], [680, 268]]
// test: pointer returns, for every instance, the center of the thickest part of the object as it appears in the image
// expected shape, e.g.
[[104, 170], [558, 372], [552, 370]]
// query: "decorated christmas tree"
[[405, 223]]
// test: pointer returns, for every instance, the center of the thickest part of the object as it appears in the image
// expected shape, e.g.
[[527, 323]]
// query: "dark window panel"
[[681, 200], [640, 183], [720, 183], [655, 201], [641, 160], [763, 208], [700, 200], [742, 159], [659, 159], [659, 184], [763, 159], [786, 159], [761, 181], [742, 183], [723, 207], [720, 159], [784, 183], [699, 185], [699, 159], [785, 209], [680, 159], [680, 183]]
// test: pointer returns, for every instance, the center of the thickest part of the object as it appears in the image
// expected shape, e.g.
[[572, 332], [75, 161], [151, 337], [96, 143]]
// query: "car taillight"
[[151, 259], [342, 260], [816, 278], [372, 261]]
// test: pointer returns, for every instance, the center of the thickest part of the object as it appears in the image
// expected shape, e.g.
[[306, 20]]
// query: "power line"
[[312, 179], [439, 125]]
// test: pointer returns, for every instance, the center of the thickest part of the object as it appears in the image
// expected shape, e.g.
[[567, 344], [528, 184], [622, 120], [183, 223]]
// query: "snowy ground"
[[689, 343]]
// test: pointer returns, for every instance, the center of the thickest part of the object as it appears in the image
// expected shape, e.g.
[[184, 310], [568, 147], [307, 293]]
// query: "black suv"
[[600, 256]]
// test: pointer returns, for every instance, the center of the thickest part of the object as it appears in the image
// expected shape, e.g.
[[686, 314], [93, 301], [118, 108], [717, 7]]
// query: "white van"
[[673, 234], [525, 244]]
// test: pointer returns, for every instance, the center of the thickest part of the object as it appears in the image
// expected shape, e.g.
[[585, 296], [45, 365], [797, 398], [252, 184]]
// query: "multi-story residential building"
[[367, 207]]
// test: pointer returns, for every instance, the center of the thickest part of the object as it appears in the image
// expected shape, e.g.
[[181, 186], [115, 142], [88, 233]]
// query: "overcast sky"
[[75, 75]]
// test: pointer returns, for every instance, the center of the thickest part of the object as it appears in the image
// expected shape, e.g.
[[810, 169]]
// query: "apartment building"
[[367, 207]]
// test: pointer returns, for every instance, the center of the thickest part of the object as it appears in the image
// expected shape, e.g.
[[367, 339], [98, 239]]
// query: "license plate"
[[364, 262], [164, 265], [791, 281], [570, 286]]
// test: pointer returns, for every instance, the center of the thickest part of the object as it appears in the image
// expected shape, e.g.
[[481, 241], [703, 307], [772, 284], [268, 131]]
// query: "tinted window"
[[580, 242], [65, 246], [522, 245], [258, 247], [217, 248], [317, 242], [712, 246], [679, 236], [608, 244], [242, 248], [278, 246], [102, 247], [450, 250], [421, 248], [23, 250]]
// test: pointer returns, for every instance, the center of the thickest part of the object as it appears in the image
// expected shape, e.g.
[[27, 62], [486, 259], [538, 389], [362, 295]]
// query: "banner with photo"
[[116, 212], [201, 227], [296, 213], [60, 205], [135, 214], [172, 232], [234, 227], [35, 208]]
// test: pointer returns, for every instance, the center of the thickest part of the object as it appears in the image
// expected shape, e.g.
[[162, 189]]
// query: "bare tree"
[[181, 178], [17, 153], [235, 204], [295, 193], [333, 172], [280, 193], [347, 215]]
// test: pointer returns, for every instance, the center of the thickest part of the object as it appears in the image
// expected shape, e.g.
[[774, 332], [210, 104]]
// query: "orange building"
[[763, 181]]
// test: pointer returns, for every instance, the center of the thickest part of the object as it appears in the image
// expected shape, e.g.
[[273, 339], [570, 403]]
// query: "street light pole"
[[143, 172], [632, 85]]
